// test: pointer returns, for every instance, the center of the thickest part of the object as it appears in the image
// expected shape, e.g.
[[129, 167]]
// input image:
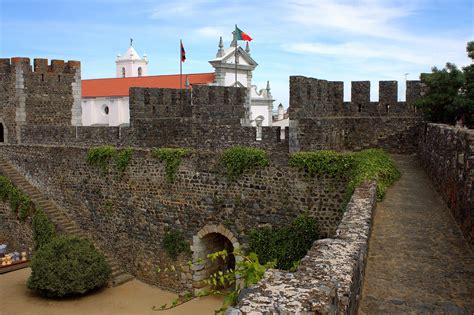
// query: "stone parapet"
[[447, 154], [330, 276]]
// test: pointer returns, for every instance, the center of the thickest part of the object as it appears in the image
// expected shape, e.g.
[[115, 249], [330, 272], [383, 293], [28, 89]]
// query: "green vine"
[[174, 243], [238, 160], [172, 157], [248, 269], [103, 156], [357, 167], [122, 159], [20, 203]]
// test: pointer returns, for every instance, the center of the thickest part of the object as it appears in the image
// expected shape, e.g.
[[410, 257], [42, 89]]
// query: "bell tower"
[[131, 64]]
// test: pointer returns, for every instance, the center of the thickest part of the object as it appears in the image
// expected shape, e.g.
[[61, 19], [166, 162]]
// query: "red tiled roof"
[[120, 86]]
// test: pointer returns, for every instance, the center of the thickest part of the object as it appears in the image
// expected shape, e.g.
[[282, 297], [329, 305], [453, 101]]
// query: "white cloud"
[[366, 17], [180, 8], [211, 31]]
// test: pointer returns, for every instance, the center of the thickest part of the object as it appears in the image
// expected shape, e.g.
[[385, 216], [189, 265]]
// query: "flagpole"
[[235, 53], [181, 70], [180, 65]]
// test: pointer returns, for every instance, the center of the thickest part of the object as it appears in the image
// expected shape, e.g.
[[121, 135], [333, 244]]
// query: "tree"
[[450, 93]]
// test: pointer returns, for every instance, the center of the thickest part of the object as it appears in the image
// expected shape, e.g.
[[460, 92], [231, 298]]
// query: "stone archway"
[[210, 239]]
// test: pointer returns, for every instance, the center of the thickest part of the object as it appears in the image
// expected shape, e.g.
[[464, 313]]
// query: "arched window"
[[123, 72], [139, 71], [105, 108]]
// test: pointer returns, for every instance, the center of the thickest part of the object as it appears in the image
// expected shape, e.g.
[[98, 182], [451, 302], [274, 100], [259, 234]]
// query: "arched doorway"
[[211, 239], [3, 132]]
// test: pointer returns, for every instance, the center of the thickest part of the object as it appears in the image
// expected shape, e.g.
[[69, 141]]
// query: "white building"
[[234, 66], [105, 102]]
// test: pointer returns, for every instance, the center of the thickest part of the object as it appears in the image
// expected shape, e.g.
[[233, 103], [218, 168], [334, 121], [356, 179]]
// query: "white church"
[[105, 102]]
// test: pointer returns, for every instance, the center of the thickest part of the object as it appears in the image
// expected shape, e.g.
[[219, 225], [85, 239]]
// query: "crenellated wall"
[[45, 95], [320, 119], [41, 105], [447, 154]]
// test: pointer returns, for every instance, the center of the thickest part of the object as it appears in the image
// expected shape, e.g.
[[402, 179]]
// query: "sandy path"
[[133, 297]]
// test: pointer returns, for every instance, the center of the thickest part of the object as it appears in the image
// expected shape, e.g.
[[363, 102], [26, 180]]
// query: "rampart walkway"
[[418, 261]]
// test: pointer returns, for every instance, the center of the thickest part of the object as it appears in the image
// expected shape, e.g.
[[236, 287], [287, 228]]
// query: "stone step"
[[55, 214]]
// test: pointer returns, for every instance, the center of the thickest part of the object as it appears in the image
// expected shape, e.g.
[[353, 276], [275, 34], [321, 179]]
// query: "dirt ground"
[[133, 297]]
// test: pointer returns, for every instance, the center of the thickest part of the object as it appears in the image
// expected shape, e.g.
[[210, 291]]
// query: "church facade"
[[105, 102]]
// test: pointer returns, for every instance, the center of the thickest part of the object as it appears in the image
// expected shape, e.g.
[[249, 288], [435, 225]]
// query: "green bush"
[[286, 245], [172, 157], [43, 229], [67, 266], [322, 162], [374, 164], [174, 243], [238, 160]]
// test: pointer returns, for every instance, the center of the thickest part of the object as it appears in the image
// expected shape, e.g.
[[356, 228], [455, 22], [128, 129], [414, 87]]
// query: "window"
[[105, 108], [258, 123], [123, 72], [139, 71]]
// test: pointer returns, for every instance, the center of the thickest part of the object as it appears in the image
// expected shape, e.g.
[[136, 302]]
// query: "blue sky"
[[327, 39]]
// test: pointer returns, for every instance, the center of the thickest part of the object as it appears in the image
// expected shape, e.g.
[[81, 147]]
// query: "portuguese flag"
[[242, 35]]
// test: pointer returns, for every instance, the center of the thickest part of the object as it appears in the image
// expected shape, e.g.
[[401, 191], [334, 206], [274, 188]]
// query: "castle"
[[45, 143], [106, 101]]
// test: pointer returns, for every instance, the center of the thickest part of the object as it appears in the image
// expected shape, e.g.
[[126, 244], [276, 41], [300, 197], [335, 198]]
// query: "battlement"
[[40, 65], [203, 102], [310, 97]]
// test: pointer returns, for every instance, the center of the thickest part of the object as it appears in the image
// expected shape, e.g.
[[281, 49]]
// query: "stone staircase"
[[61, 221]]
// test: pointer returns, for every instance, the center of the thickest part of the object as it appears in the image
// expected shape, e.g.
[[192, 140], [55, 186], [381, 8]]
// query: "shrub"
[[374, 164], [67, 266], [286, 245], [172, 157], [239, 159], [43, 229], [174, 243], [322, 162]]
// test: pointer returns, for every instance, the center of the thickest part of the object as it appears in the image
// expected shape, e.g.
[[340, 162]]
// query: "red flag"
[[183, 53]]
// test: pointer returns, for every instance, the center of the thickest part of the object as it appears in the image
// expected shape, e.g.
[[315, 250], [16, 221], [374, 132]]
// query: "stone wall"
[[17, 235], [321, 120], [129, 215], [447, 154], [329, 278]]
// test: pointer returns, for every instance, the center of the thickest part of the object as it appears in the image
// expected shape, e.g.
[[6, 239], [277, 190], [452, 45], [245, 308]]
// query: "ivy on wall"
[[172, 157], [285, 245], [357, 167], [239, 159], [20, 203], [103, 156]]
